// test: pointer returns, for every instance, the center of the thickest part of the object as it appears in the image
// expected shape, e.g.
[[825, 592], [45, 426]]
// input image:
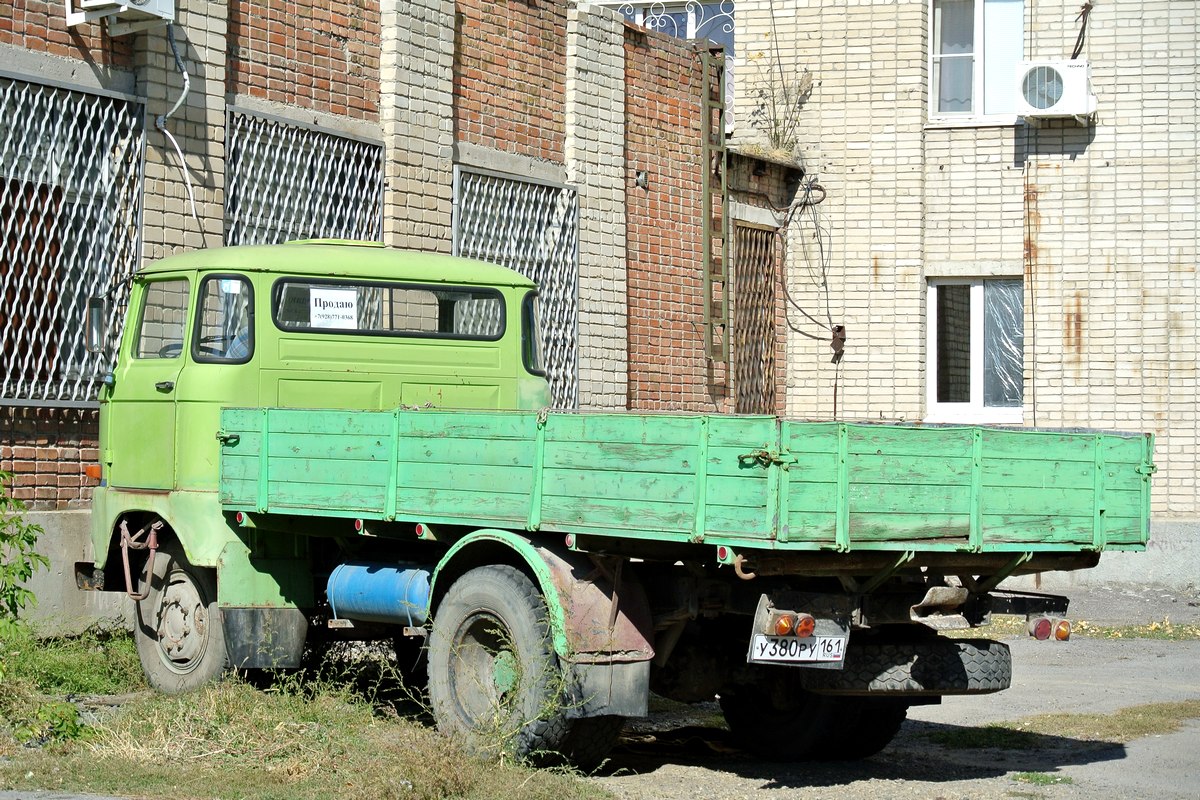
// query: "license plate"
[[789, 649]]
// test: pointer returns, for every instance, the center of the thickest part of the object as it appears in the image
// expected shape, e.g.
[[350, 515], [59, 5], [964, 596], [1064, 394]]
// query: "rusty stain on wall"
[[1073, 330], [1033, 225], [875, 268]]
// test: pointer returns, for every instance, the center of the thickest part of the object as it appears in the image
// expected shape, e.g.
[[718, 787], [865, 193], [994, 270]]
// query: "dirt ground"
[[686, 757]]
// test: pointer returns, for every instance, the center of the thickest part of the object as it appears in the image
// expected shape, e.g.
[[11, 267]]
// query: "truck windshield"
[[388, 309]]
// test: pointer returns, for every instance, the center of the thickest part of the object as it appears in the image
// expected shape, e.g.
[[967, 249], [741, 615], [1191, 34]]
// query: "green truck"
[[334, 440]]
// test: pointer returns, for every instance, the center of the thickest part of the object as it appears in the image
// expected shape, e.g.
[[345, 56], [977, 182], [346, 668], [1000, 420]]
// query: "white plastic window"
[[975, 351], [974, 49]]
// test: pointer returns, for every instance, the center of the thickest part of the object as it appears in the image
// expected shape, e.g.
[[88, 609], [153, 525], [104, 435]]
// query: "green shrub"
[[18, 561]]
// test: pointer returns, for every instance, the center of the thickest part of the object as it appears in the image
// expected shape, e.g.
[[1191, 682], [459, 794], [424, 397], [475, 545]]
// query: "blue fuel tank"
[[391, 593]]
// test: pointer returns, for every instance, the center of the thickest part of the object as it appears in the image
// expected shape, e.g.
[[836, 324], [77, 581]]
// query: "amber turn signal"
[[805, 625], [784, 625], [1062, 631], [92, 471]]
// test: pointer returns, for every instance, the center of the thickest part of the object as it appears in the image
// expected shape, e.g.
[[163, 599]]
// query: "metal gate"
[[531, 228], [287, 182], [754, 332], [70, 198]]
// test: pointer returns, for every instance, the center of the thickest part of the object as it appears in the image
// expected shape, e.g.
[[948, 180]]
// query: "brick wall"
[[667, 365], [510, 76], [318, 56], [1100, 220], [42, 28], [46, 450], [595, 140], [416, 116]]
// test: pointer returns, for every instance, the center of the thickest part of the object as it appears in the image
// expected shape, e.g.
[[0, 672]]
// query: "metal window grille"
[[754, 319], [70, 195], [290, 182], [531, 228]]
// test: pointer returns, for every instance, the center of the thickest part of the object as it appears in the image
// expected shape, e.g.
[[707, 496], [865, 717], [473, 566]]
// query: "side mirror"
[[97, 323]]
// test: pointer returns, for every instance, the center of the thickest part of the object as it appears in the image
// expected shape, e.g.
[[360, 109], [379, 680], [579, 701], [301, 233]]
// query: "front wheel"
[[180, 639], [494, 679]]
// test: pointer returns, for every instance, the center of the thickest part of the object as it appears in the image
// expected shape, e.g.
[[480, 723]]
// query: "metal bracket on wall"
[[714, 199]]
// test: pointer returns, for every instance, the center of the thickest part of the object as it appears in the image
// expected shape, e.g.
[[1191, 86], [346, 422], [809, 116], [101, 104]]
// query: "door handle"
[[165, 386]]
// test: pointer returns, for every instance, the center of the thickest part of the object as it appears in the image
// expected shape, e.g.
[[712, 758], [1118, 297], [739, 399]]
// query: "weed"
[[51, 722], [1010, 625], [996, 736], [1121, 726], [18, 560], [97, 661], [1041, 778], [330, 731]]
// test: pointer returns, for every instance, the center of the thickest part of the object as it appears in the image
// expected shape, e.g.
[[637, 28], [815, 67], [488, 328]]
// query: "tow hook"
[[135, 542]]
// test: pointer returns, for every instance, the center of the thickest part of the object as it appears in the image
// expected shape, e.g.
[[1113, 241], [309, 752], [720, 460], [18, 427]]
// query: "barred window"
[[531, 228], [288, 182], [70, 194]]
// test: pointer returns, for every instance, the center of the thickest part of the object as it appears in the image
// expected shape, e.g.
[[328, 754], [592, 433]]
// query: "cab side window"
[[164, 314], [224, 321]]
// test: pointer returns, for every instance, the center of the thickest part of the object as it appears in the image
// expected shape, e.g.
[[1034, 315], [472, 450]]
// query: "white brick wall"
[[168, 225], [1101, 220], [595, 161], [416, 111]]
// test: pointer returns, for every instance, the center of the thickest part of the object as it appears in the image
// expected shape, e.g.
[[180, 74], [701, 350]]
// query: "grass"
[[96, 662], [1011, 625], [334, 733], [1041, 778], [1120, 727]]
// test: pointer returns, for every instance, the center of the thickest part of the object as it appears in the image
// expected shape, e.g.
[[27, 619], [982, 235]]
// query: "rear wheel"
[[494, 679], [180, 640], [777, 719]]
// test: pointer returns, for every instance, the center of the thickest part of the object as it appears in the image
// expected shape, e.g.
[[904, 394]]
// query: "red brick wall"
[[510, 76], [46, 450], [664, 223], [319, 56], [42, 28]]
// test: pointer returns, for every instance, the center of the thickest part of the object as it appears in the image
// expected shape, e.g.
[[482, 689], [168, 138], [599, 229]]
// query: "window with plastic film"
[[976, 350]]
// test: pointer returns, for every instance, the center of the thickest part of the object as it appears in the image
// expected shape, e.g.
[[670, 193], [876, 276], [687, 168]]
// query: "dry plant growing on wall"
[[779, 96]]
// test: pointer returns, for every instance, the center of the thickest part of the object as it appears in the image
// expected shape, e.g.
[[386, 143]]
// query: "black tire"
[[923, 668], [859, 728], [777, 719], [180, 638], [495, 682]]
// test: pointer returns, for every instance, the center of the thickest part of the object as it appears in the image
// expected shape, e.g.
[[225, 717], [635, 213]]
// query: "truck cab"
[[315, 324]]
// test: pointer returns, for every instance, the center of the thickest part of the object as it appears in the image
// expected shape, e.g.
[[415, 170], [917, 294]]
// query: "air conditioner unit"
[[1055, 88], [127, 16]]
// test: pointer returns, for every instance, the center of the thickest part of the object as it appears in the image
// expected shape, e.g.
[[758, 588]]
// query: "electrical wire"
[[160, 122], [1084, 11]]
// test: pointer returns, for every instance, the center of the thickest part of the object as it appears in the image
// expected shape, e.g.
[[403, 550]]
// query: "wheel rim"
[[183, 631], [486, 669]]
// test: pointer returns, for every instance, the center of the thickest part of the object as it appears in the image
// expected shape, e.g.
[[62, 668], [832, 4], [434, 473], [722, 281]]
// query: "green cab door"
[[142, 404]]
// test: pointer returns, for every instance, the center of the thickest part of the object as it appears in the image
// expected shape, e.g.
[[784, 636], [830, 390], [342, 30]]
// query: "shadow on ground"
[[912, 756]]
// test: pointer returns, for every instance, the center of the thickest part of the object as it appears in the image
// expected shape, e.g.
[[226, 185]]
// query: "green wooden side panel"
[[679, 477]]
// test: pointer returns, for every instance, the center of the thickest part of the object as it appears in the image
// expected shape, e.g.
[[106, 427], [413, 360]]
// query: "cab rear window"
[[388, 309]]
